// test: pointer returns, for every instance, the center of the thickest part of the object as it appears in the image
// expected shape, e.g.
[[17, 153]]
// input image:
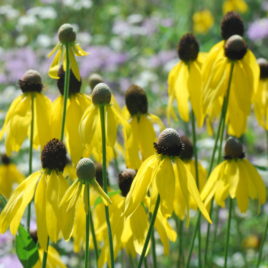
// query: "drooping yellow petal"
[[106, 199], [73, 63], [79, 51], [16, 205], [140, 184], [55, 65]]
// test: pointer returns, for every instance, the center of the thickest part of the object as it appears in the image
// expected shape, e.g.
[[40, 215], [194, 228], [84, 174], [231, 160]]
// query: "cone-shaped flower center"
[[74, 84], [94, 79], [233, 149], [136, 100], [188, 48], [31, 82], [169, 143], [263, 63], [5, 159], [125, 180], [231, 24], [187, 152], [235, 47], [66, 33], [53, 156], [101, 94], [85, 170]]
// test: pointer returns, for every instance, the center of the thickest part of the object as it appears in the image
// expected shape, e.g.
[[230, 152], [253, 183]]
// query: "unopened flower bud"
[[101, 94], [66, 33], [85, 170]]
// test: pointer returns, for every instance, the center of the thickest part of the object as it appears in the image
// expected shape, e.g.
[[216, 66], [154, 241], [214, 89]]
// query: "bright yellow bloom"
[[203, 21], [76, 105], [185, 80], [90, 129], [235, 5], [216, 73], [78, 191], [53, 258], [235, 177], [67, 37], [260, 99], [46, 187], [18, 121], [166, 175], [9, 175]]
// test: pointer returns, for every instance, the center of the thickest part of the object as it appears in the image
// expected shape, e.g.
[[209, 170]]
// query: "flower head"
[[165, 174], [235, 177], [184, 80], [67, 42], [46, 187], [18, 120]]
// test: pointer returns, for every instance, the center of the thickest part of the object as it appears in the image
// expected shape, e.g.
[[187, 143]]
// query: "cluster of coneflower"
[[163, 177]]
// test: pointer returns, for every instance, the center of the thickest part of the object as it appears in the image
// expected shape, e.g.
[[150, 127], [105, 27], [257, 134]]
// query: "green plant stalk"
[[105, 183], [266, 226], [44, 260], [30, 170], [66, 91], [87, 226], [198, 185], [179, 226], [149, 233], [93, 236], [153, 250], [196, 229], [226, 249], [219, 136]]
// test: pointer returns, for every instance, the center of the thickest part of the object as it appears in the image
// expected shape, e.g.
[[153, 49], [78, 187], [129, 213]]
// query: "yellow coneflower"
[[165, 174], [90, 125], [234, 5], [139, 134], [184, 80], [47, 187], [67, 38], [9, 175], [203, 21], [235, 177], [17, 122], [130, 233], [230, 65], [77, 103], [260, 99]]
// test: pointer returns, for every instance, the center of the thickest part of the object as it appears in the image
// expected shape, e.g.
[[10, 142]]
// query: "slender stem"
[[93, 236], [31, 157], [148, 236], [193, 240], [198, 185], [44, 260], [228, 233], [87, 226], [266, 226], [154, 250], [66, 91], [180, 262], [104, 177]]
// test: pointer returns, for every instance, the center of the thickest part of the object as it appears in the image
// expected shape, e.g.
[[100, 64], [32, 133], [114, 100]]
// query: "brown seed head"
[[231, 24], [31, 82], [126, 178], [233, 149], [235, 47], [188, 48]]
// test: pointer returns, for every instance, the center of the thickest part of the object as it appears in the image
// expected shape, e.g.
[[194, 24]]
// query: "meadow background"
[[129, 42]]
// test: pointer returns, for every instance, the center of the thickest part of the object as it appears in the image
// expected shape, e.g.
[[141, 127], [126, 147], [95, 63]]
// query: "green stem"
[[93, 236], [105, 183], [266, 226], [154, 250], [66, 91], [87, 226], [228, 233], [198, 185], [148, 236], [44, 260], [31, 158], [193, 240], [219, 136], [180, 262]]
